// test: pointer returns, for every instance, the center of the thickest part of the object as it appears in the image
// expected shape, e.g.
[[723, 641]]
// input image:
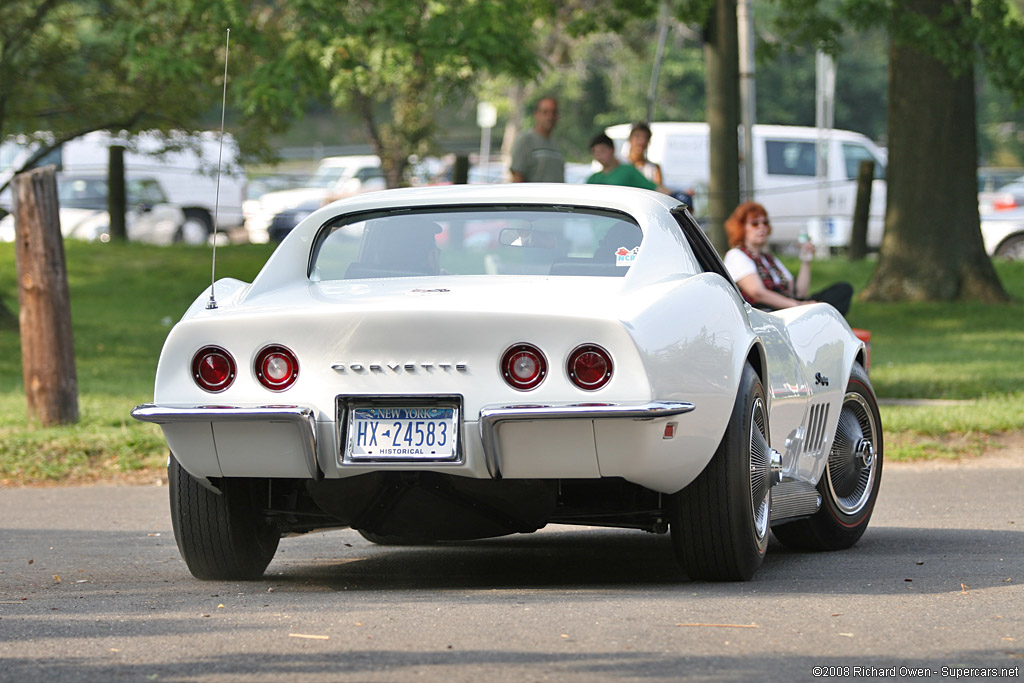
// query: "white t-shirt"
[[740, 265], [648, 170]]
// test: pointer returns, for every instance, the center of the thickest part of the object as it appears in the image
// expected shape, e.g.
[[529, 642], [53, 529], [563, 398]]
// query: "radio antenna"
[[212, 303]]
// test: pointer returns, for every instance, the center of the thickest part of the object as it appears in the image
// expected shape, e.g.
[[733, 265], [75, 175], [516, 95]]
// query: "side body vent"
[[816, 428]]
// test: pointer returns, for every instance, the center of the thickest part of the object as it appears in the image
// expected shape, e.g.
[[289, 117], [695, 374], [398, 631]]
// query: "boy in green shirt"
[[612, 171]]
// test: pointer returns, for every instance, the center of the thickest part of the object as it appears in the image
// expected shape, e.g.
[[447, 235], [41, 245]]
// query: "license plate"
[[396, 433]]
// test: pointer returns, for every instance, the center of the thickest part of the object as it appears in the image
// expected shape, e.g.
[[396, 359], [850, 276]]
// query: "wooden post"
[[47, 347], [460, 173], [117, 201], [862, 211], [460, 176]]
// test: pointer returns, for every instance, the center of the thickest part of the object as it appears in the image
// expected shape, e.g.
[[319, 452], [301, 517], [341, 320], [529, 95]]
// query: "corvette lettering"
[[399, 368]]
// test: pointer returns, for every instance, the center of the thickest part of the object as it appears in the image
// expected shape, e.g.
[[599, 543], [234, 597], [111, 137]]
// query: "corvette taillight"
[[213, 369], [276, 367], [589, 367], [523, 366]]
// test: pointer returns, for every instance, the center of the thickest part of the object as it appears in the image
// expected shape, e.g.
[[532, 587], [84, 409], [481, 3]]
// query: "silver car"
[[83, 212]]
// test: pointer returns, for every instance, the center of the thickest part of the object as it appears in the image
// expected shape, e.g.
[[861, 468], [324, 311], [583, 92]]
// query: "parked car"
[[434, 171], [83, 212], [1009, 195], [992, 178], [335, 177], [592, 364], [283, 223], [1003, 232], [801, 195], [184, 164]]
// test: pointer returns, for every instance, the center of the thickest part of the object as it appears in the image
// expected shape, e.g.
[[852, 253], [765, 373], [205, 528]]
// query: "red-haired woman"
[[761, 277]]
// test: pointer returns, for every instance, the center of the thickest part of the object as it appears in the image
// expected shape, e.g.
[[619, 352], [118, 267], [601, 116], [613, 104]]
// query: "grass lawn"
[[126, 297]]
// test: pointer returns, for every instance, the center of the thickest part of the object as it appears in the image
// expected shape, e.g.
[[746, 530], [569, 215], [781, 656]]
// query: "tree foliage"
[[397, 62], [68, 67], [932, 202]]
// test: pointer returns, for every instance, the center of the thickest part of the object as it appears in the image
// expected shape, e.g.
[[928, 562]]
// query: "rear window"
[[477, 241]]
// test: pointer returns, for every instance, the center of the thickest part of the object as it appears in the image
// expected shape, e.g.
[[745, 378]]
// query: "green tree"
[[397, 63], [932, 249], [578, 49], [69, 67], [785, 80]]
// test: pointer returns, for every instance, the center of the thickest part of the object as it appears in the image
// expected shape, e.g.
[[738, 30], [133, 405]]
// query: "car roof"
[[355, 160], [627, 199]]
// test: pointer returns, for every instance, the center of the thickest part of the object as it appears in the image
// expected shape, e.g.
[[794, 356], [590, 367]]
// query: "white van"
[[188, 177], [785, 176]]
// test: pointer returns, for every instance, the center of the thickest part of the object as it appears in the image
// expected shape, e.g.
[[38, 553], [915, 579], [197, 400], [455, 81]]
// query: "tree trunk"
[[721, 57], [932, 249], [47, 348], [117, 199], [861, 211]]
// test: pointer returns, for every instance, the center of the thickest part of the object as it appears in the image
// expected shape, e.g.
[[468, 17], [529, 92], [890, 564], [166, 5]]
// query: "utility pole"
[[748, 94], [722, 89], [824, 117], [652, 92], [486, 118]]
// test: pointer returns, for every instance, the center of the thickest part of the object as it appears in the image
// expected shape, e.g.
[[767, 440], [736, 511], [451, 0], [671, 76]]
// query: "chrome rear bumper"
[[491, 417], [301, 418]]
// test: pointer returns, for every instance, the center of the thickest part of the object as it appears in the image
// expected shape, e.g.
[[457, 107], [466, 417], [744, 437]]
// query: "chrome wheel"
[[760, 468], [850, 473]]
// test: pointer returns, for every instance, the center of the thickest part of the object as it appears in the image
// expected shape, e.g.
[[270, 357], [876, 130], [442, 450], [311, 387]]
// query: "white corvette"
[[462, 362]]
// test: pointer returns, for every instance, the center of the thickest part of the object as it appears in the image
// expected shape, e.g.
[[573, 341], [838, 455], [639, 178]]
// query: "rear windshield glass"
[[477, 241]]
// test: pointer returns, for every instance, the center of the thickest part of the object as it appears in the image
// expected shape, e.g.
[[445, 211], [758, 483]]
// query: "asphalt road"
[[92, 589]]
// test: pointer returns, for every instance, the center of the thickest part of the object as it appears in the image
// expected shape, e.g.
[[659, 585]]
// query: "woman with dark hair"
[[761, 277], [639, 141]]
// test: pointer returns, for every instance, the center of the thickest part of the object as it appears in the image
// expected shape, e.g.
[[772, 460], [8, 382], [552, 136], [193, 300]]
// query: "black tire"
[[849, 485], [719, 532], [220, 536], [1012, 248], [196, 229]]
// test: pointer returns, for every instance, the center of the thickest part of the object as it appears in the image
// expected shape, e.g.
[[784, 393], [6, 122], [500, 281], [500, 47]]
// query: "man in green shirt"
[[612, 171]]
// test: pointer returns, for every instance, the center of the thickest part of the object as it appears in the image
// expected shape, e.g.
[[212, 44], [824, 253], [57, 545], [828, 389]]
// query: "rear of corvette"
[[551, 369], [303, 386]]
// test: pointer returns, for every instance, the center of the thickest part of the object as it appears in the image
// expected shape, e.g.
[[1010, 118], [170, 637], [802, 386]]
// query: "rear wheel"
[[1012, 248], [220, 536], [849, 485], [197, 227], [719, 522]]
